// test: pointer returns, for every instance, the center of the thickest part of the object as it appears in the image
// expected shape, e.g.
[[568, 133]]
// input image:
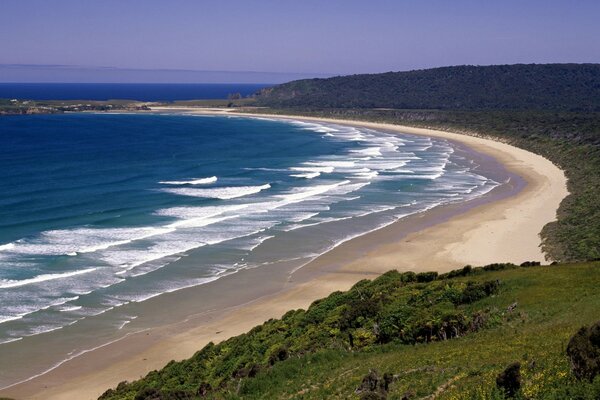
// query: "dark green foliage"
[[509, 380], [529, 264], [584, 352], [498, 266], [374, 386], [396, 307], [553, 302], [427, 276], [516, 87], [477, 291], [154, 394], [466, 270]]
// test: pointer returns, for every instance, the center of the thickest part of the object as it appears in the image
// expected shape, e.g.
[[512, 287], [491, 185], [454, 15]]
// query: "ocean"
[[98, 211], [127, 91]]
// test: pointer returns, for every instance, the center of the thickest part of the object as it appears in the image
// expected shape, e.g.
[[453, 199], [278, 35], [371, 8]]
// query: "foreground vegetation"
[[404, 336], [569, 139]]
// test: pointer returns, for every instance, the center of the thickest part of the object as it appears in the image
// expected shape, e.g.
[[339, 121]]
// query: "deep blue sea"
[[127, 91], [101, 210]]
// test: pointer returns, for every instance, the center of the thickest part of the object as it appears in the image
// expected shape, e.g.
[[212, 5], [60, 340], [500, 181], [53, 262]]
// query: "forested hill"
[[567, 87]]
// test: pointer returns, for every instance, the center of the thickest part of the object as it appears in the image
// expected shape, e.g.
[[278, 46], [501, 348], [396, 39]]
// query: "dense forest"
[[568, 87], [500, 331]]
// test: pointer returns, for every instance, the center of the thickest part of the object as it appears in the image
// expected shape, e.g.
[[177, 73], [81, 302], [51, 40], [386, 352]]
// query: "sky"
[[175, 40]]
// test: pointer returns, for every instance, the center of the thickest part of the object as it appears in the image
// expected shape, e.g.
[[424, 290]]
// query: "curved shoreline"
[[496, 227]]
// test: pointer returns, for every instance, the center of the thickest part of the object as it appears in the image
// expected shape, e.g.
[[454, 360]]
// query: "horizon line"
[[112, 68]]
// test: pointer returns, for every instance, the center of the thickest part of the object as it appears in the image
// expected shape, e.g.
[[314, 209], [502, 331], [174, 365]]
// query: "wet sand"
[[502, 225]]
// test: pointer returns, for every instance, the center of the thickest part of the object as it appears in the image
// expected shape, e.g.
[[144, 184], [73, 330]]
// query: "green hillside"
[[404, 336], [574, 87]]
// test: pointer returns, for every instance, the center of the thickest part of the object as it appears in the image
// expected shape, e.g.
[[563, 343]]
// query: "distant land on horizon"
[[568, 87]]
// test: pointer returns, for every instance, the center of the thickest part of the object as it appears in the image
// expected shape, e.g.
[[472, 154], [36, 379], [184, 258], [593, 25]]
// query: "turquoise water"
[[100, 210]]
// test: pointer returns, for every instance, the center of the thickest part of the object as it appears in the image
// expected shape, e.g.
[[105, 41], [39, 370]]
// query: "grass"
[[553, 302]]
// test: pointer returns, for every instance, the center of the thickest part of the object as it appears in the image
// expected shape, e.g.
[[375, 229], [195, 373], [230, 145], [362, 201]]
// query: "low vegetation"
[[26, 107], [497, 332]]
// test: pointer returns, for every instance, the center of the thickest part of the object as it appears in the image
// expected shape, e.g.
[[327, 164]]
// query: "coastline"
[[500, 226]]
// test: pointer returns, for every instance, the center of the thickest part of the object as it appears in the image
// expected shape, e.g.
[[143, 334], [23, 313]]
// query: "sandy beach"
[[501, 226]]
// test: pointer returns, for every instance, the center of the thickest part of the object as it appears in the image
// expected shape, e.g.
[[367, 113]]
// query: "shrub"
[[427, 276], [477, 291], [583, 351], [509, 380]]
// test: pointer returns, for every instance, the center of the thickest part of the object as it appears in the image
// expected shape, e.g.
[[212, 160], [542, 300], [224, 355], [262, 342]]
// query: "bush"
[[477, 291], [583, 351], [509, 380], [427, 276]]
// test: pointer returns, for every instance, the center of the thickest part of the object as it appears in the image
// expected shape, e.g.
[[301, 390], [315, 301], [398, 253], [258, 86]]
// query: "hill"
[[573, 87], [403, 335]]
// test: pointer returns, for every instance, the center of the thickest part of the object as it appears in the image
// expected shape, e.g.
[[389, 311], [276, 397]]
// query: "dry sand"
[[503, 228]]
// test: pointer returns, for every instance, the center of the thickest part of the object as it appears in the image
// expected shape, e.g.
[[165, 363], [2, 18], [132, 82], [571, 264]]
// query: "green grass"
[[553, 302]]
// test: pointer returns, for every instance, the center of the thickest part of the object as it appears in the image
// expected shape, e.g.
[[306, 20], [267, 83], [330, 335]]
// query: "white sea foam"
[[83, 240], [365, 173], [142, 233], [307, 175], [199, 222], [253, 243], [44, 329], [310, 172], [8, 283], [69, 308], [6, 318], [9, 340], [369, 151], [303, 216], [196, 282], [187, 213], [8, 246], [224, 193], [322, 169], [71, 356], [332, 163], [300, 194], [198, 181]]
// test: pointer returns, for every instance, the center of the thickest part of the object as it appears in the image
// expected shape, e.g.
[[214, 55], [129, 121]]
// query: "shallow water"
[[98, 211]]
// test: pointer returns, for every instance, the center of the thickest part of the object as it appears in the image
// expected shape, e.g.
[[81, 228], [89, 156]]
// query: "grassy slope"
[[553, 302]]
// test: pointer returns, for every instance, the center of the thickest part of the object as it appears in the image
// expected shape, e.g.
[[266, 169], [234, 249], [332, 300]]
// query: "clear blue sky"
[[299, 36]]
